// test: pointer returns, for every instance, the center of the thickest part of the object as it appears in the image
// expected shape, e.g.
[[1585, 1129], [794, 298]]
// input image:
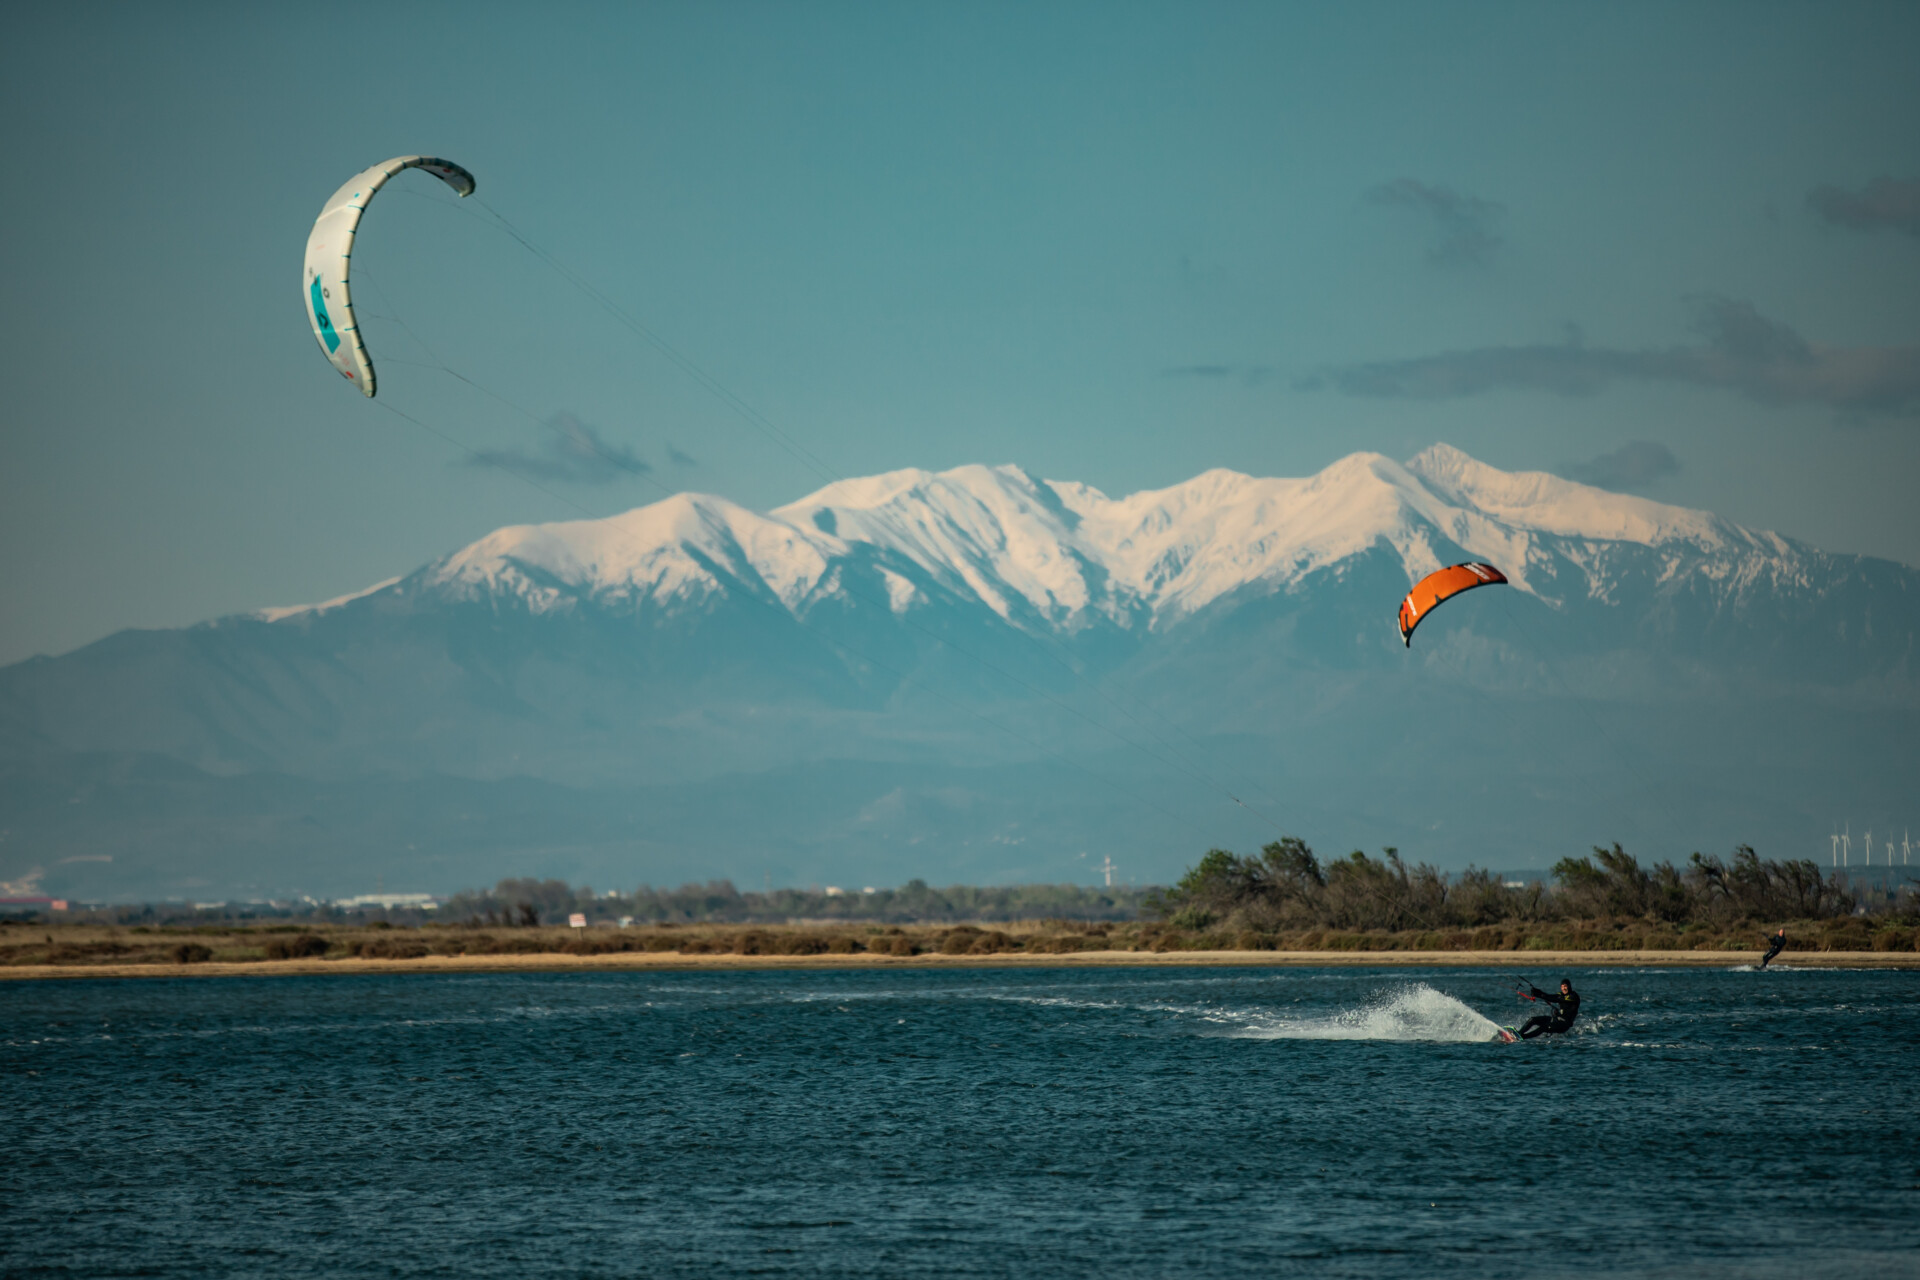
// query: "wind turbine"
[[1869, 846], [1846, 845], [1106, 867], [1835, 851]]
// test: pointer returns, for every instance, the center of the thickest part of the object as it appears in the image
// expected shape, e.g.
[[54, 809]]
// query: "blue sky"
[[1112, 243]]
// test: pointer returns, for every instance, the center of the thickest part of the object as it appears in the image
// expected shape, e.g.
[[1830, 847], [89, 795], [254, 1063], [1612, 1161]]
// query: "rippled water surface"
[[1042, 1122]]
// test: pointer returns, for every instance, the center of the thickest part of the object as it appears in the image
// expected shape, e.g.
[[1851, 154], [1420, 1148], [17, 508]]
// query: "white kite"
[[330, 253]]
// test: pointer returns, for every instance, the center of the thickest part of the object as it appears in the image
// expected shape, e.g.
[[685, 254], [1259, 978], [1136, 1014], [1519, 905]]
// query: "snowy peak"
[[995, 533], [1544, 503], [676, 550]]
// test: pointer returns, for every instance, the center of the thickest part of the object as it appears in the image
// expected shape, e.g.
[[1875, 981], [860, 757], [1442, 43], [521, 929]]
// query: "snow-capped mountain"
[[984, 668], [1057, 555]]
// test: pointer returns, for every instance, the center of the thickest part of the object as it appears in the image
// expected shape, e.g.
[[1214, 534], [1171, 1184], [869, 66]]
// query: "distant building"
[[388, 901], [28, 902]]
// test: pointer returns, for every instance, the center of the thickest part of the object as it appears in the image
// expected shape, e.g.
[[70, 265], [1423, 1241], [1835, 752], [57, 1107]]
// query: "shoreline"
[[672, 961]]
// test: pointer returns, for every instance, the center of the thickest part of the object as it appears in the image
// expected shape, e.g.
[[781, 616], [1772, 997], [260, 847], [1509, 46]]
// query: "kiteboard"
[[1508, 1035]]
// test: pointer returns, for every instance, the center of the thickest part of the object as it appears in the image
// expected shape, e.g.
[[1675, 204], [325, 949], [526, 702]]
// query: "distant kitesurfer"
[[1774, 945], [1566, 1007]]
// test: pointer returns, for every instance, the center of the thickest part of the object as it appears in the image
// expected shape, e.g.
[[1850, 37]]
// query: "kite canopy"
[[330, 251], [1440, 586]]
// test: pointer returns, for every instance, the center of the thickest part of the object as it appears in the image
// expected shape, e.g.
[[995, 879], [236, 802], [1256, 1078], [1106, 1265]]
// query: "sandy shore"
[[672, 961]]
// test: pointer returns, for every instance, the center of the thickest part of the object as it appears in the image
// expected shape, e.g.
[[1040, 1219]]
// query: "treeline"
[[1287, 887], [525, 903]]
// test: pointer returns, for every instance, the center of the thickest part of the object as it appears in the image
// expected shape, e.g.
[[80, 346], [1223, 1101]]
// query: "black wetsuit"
[[1773, 949], [1565, 1009]]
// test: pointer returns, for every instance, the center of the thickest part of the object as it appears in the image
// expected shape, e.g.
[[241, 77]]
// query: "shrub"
[[191, 953], [391, 949], [589, 945], [298, 947], [1848, 937], [901, 945], [844, 946], [959, 942]]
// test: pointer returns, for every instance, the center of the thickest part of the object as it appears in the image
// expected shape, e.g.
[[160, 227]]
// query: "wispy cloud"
[[26, 886], [680, 459], [570, 452], [1251, 374], [1741, 350], [1634, 465], [1884, 202], [1467, 226]]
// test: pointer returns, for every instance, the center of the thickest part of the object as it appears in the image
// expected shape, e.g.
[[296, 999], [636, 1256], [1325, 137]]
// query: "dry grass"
[[98, 945]]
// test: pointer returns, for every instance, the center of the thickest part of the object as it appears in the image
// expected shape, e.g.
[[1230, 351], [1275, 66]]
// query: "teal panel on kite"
[[328, 297]]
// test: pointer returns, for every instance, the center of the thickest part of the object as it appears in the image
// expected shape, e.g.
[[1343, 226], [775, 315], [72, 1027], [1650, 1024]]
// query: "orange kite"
[[1442, 585]]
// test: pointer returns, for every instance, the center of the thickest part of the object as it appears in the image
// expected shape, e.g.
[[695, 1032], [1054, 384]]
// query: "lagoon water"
[[941, 1123]]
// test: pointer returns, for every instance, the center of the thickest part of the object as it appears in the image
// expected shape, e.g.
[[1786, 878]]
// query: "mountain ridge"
[[1057, 553], [981, 668]]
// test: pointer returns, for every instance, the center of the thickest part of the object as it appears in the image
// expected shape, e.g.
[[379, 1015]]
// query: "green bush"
[[298, 947], [959, 941], [191, 953]]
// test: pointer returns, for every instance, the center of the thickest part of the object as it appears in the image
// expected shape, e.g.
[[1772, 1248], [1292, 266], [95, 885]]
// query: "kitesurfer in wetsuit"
[[1566, 1007], [1774, 944]]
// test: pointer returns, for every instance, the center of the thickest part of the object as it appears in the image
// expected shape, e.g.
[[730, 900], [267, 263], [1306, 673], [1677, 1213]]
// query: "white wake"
[[1414, 1012]]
